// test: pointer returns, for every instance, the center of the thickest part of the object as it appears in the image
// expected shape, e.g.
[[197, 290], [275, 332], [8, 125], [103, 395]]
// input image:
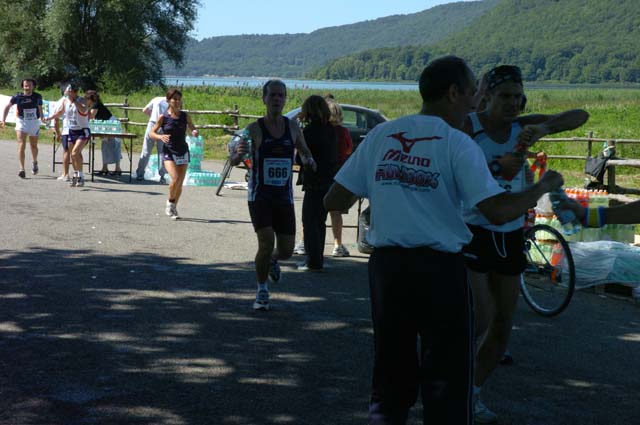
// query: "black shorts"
[[74, 135], [281, 217], [498, 252]]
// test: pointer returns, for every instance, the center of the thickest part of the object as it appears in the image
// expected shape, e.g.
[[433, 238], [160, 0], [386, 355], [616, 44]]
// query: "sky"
[[217, 18]]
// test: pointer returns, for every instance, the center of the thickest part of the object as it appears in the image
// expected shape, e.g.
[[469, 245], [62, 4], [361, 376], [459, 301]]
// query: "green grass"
[[614, 113]]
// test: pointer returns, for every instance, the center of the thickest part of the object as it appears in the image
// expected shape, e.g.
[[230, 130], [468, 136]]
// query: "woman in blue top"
[[175, 151]]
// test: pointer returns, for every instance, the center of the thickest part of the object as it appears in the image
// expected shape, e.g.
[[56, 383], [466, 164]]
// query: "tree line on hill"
[[575, 41], [293, 55]]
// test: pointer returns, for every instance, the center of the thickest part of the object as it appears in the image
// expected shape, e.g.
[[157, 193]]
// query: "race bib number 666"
[[277, 171]]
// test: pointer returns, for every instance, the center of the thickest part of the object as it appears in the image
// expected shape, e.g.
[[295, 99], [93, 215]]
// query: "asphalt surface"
[[110, 313]]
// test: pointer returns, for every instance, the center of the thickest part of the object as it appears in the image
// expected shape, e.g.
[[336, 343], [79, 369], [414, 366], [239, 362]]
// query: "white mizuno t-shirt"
[[417, 171]]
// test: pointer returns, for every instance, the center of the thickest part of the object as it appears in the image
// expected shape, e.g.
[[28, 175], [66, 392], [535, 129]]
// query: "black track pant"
[[314, 217], [421, 292]]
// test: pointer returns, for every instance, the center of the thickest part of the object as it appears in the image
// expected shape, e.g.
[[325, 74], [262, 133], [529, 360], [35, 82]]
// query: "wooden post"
[[611, 170], [235, 118], [126, 115], [590, 136]]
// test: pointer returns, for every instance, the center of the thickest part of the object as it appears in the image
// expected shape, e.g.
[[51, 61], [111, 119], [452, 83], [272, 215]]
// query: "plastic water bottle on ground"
[[568, 220]]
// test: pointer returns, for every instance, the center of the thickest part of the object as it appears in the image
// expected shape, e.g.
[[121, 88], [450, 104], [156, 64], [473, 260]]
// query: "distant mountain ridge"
[[576, 41], [294, 55]]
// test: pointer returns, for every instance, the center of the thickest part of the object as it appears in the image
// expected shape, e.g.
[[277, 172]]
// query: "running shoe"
[[274, 271], [304, 267], [80, 181], [340, 251], [34, 168], [22, 174], [299, 249], [174, 213], [507, 359], [262, 300], [74, 181], [482, 414], [64, 178]]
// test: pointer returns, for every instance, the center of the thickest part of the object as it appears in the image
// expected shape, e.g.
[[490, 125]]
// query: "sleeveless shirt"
[[270, 177]]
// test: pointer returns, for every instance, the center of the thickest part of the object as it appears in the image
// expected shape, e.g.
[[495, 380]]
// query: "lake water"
[[291, 83], [353, 85]]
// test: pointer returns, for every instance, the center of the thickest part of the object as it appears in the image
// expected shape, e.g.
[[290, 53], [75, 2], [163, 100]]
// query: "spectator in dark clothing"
[[322, 140]]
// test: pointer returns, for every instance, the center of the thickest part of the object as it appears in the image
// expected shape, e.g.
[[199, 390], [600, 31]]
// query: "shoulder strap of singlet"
[[263, 128], [476, 125]]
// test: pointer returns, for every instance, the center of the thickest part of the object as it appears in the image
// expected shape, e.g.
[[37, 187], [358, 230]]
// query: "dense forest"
[[575, 41], [293, 55]]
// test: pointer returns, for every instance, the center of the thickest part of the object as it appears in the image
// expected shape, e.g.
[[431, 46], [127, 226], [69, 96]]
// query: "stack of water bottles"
[[105, 126], [567, 223], [195, 175]]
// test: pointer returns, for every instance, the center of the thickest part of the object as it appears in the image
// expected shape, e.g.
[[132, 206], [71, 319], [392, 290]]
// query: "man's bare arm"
[[339, 198]]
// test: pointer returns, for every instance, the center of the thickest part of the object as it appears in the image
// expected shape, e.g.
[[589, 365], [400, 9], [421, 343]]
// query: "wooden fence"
[[611, 164], [589, 140], [234, 113]]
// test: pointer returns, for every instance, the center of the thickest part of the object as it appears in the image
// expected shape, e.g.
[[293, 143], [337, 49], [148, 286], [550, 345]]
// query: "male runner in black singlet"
[[274, 139]]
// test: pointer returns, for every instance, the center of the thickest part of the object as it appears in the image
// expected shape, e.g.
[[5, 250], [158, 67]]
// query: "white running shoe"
[[169, 209], [64, 178], [482, 414], [262, 300], [299, 248], [340, 251]]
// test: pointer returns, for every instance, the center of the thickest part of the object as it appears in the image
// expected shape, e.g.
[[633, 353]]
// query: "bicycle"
[[549, 279], [226, 169]]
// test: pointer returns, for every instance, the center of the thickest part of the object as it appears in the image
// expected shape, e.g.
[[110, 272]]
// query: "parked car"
[[357, 119]]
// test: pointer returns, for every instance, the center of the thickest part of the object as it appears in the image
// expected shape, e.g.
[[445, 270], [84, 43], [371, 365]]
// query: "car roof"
[[347, 106]]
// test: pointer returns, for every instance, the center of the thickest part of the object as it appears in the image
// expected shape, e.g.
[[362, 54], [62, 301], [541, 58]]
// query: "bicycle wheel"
[[549, 280], [226, 170]]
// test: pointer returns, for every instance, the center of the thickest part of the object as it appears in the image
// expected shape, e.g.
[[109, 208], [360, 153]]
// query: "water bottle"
[[568, 220], [246, 137]]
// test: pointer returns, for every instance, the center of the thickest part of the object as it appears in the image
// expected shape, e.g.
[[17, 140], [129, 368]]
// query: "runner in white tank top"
[[494, 257]]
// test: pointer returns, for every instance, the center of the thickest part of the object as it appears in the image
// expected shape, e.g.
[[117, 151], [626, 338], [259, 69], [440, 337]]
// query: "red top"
[[345, 144]]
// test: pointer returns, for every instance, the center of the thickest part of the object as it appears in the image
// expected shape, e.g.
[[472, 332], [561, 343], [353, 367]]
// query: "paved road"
[[110, 313]]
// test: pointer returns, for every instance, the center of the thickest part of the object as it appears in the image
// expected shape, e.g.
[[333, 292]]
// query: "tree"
[[119, 44]]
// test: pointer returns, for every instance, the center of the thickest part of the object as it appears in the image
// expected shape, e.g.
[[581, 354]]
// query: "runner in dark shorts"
[[274, 139]]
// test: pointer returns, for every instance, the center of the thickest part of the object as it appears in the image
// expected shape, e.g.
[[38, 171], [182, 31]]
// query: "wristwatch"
[[495, 167]]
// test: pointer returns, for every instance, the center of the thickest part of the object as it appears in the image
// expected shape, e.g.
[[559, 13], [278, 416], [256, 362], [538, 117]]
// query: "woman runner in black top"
[[175, 151]]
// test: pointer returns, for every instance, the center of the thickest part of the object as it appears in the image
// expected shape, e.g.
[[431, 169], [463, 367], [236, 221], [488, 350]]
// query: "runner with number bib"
[[28, 116], [273, 139]]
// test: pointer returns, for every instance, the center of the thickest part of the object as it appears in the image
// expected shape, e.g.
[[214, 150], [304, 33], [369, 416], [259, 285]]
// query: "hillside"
[[576, 41], [293, 55]]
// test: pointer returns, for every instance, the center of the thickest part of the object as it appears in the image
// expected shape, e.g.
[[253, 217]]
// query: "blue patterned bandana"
[[502, 74]]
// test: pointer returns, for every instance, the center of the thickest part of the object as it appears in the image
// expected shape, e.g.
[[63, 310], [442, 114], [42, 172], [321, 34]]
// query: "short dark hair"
[[173, 92], [28, 79], [265, 87], [440, 74]]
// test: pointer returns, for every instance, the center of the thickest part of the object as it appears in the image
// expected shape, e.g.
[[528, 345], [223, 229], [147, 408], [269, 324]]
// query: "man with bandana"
[[495, 257]]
